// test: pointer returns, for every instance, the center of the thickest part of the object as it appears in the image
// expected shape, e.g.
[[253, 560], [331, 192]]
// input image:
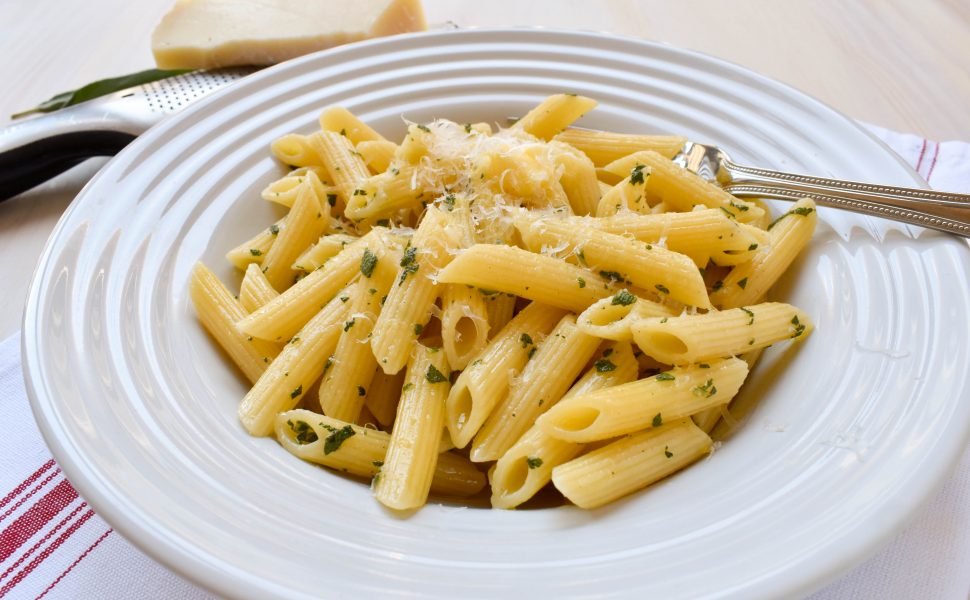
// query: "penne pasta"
[[346, 169], [255, 248], [383, 396], [305, 223], [338, 119], [377, 154], [295, 150], [554, 114], [611, 317], [603, 147], [255, 290]]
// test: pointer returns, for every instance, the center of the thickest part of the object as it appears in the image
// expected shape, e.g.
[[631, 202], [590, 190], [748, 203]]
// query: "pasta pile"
[[567, 306]]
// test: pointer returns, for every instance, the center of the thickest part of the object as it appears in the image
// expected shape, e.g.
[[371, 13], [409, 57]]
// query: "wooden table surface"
[[896, 63]]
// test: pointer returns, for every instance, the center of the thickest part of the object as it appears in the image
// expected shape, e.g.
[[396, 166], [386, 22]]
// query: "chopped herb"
[[424, 128], [343, 132], [525, 339], [607, 352], [303, 432], [377, 463], [611, 275], [704, 365], [705, 391], [667, 452], [649, 247], [361, 391], [664, 377], [297, 392], [468, 127], [750, 315], [418, 328], [332, 199], [255, 251], [743, 283], [752, 247], [368, 262], [359, 192], [434, 375], [582, 282], [407, 386], [662, 289], [274, 229], [371, 291], [580, 255], [801, 211], [344, 298], [294, 339], [657, 420], [663, 320], [604, 365], [740, 207], [798, 329], [534, 462], [383, 223], [349, 324], [624, 298], [409, 264], [450, 201], [751, 342], [486, 292], [636, 175], [532, 352], [730, 215], [335, 439], [717, 285]]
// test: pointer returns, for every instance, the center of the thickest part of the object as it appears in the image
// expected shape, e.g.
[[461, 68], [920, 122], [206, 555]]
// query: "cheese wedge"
[[201, 34]]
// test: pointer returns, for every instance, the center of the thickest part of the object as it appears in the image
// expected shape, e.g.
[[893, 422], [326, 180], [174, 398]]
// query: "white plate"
[[139, 408]]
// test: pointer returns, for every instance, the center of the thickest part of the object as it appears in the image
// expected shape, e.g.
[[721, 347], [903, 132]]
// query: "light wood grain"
[[896, 63]]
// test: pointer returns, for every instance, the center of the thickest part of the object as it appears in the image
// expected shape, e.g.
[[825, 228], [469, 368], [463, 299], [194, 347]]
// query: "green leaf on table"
[[100, 88]]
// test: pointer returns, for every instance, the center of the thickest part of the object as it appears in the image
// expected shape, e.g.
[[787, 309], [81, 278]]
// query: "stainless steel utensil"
[[943, 211], [38, 148]]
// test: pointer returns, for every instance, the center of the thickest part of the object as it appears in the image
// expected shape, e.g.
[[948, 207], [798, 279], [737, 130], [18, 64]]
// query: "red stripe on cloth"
[[74, 564], [38, 515], [29, 495], [936, 154], [26, 483], [922, 151], [45, 553], [43, 541]]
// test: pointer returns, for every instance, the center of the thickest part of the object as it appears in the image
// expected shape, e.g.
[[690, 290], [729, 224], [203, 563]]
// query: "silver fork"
[[943, 211]]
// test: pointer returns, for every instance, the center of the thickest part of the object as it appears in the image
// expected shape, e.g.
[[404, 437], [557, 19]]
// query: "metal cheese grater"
[[38, 148]]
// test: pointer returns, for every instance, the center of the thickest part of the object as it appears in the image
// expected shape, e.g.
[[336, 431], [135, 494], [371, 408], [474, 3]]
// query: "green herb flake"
[[743, 283], [343, 132], [532, 352], [407, 387], [717, 285], [297, 392], [658, 420], [359, 192], [704, 365], [741, 207], [801, 211], [434, 375], [604, 365], [332, 199], [607, 352], [349, 324], [468, 127], [418, 328], [333, 441], [303, 432], [580, 255], [798, 329], [667, 452], [378, 463], [663, 320], [525, 339], [383, 223], [662, 289], [582, 282], [636, 175], [534, 462], [486, 292], [752, 247], [450, 201], [367, 263], [255, 251], [624, 298], [613, 276], [664, 377], [750, 315], [705, 391], [409, 263], [274, 229], [424, 128]]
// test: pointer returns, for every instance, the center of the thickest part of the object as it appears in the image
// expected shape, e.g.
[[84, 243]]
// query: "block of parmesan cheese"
[[200, 34]]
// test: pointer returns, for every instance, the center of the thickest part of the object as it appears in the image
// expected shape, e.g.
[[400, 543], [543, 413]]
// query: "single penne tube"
[[255, 248], [255, 290], [326, 248], [554, 114], [681, 189], [305, 223], [284, 190], [345, 167], [405, 478], [706, 420], [578, 180], [615, 257], [499, 308], [411, 297], [386, 194], [485, 382], [377, 154], [542, 382], [296, 368], [351, 368], [283, 316], [604, 147], [538, 277], [611, 317], [527, 466], [464, 323], [340, 120], [218, 312], [295, 150], [630, 464], [693, 338], [383, 396], [703, 235], [668, 396], [360, 451], [788, 236]]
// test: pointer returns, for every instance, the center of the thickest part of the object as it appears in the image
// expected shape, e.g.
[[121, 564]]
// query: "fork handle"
[[944, 211]]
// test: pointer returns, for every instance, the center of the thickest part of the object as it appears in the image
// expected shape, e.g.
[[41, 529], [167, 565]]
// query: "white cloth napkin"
[[52, 544]]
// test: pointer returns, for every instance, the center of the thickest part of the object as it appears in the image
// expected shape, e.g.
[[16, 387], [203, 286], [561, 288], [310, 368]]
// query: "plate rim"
[[161, 547]]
